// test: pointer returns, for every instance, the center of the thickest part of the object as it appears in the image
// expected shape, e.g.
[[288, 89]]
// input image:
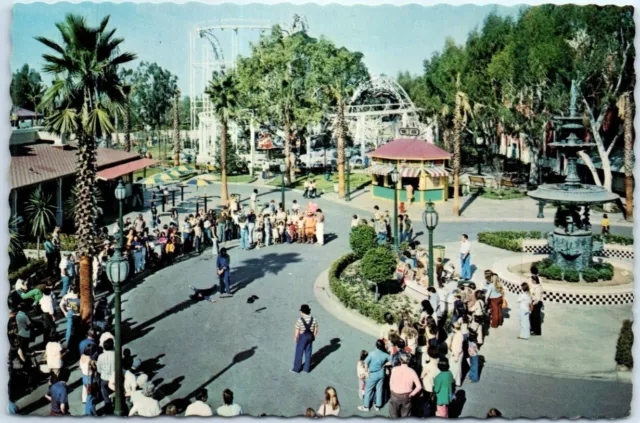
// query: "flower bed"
[[27, 270], [514, 240]]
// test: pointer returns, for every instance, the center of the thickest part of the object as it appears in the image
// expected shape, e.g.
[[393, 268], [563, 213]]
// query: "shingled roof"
[[410, 149]]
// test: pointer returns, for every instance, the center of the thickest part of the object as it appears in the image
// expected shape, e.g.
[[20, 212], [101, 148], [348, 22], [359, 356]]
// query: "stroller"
[[448, 273]]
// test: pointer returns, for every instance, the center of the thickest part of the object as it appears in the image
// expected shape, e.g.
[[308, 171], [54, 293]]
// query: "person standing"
[[70, 306], [494, 299], [524, 306], [304, 334], [223, 264], [429, 373], [48, 315], [376, 362], [472, 351], [251, 225], [199, 407], [64, 275], [24, 327], [536, 297], [434, 299], [404, 385], [57, 243], [407, 233], [606, 227], [478, 317], [456, 356], [331, 405], [229, 408], [320, 227], [254, 198], [465, 258], [58, 394], [105, 366], [244, 232], [443, 388], [51, 256]]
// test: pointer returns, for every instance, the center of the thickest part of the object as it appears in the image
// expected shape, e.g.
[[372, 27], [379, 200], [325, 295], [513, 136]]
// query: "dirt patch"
[[620, 277]]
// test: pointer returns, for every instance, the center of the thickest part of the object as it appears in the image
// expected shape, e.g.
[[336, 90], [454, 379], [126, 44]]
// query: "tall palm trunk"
[[86, 210], [341, 155], [127, 126], [224, 191], [456, 161], [176, 131], [628, 154], [287, 148]]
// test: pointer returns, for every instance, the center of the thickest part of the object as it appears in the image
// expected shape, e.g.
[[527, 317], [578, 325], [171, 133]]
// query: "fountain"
[[572, 240]]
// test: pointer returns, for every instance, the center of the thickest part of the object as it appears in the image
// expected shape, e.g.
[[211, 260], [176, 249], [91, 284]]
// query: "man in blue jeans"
[[223, 265], [70, 306], [304, 334]]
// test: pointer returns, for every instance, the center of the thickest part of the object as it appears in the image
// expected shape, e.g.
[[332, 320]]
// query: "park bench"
[[477, 181], [507, 183]]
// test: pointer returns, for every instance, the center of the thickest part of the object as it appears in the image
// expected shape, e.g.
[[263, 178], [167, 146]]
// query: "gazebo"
[[421, 166]]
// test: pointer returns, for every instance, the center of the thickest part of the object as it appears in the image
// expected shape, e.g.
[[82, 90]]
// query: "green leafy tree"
[[223, 92], [378, 265], [16, 251], [176, 129], [40, 214], [362, 239], [27, 89], [85, 92]]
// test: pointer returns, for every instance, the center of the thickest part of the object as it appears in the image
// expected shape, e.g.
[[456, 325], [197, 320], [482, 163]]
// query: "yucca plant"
[[71, 204], [40, 214]]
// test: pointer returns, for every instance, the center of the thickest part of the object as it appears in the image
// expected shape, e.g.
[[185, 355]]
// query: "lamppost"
[[348, 160], [394, 179], [117, 272], [480, 146], [430, 220], [283, 169]]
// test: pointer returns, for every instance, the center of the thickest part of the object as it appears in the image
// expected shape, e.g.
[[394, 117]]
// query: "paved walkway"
[[249, 347]]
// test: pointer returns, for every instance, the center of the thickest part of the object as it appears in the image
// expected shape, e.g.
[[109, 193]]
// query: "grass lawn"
[[358, 180], [150, 172], [240, 178], [504, 194]]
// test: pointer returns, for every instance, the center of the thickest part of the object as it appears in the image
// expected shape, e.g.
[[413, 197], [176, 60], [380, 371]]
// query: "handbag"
[[505, 304]]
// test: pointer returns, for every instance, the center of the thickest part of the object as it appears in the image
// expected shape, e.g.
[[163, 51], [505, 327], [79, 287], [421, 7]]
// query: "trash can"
[[438, 252]]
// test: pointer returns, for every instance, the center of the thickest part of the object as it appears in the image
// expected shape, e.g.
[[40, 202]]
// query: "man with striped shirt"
[[304, 334]]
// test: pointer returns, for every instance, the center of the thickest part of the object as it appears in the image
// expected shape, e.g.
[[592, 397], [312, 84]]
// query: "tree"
[[461, 114], [16, 252], [40, 214], [625, 110], [176, 129], [27, 89], [126, 77], [85, 91], [223, 92], [337, 73]]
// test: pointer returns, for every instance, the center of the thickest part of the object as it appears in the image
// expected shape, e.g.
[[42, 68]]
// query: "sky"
[[392, 38]]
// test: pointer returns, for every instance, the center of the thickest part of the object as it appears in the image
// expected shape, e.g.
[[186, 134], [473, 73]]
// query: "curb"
[[331, 304]]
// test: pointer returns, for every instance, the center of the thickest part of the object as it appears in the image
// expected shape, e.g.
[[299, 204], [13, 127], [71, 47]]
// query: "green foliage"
[[155, 88], [27, 270], [590, 275], [26, 88], [605, 274], [614, 239], [378, 265], [504, 194], [235, 165], [68, 242], [362, 239], [40, 212], [508, 240], [624, 346], [16, 253], [553, 272], [571, 275]]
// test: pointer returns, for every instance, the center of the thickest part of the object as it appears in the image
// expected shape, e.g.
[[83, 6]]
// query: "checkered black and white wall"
[[574, 298], [607, 252]]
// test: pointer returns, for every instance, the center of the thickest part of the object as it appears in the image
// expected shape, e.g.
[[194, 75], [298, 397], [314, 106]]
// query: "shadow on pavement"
[[256, 268], [469, 201], [324, 352]]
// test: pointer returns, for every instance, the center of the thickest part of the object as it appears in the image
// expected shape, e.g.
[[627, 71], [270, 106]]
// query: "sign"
[[409, 132]]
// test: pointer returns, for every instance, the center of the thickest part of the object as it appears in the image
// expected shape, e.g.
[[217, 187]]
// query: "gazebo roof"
[[410, 149]]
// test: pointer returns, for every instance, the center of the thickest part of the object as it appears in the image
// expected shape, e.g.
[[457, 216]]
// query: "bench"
[[477, 181], [507, 183]]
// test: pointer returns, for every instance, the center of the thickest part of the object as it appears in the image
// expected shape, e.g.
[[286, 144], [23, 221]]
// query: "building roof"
[[23, 113], [410, 149], [37, 163], [123, 169]]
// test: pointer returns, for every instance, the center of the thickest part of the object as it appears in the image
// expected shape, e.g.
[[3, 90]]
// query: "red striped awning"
[[379, 169], [123, 169], [410, 172], [436, 171]]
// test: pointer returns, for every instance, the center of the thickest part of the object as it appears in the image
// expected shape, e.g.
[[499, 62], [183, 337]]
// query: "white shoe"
[[363, 408]]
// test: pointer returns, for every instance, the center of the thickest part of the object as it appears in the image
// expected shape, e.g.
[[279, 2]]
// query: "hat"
[[456, 293], [136, 363], [305, 309]]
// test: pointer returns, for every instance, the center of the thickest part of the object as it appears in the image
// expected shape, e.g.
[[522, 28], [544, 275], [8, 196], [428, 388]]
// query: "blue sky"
[[391, 38]]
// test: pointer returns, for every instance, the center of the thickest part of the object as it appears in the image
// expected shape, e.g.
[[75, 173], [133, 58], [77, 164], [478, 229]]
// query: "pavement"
[[248, 348]]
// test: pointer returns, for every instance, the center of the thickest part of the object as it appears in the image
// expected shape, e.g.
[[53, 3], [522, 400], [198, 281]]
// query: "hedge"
[[625, 344], [614, 239], [27, 270], [67, 243], [378, 265], [362, 239], [364, 306], [509, 240]]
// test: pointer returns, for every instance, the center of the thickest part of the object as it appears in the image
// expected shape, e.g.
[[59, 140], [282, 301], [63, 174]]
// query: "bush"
[[544, 264], [508, 240], [362, 239], [590, 275], [378, 265], [27, 270], [614, 239], [605, 274], [350, 299], [67, 243], [553, 272], [572, 275], [625, 344]]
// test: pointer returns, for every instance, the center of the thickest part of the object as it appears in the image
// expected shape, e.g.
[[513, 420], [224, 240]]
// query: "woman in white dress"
[[320, 227]]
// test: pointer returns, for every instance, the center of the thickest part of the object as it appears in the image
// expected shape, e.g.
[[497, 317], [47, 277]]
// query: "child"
[[281, 229], [295, 207], [363, 373], [257, 233], [291, 232], [440, 272], [354, 221], [170, 249], [472, 350], [300, 229], [267, 230], [90, 404], [443, 388], [274, 234], [605, 224]]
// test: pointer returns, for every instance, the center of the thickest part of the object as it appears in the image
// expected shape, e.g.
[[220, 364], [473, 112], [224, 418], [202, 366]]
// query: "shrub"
[[27, 270], [572, 275], [378, 265], [625, 344], [544, 264], [614, 239], [553, 272], [362, 239], [590, 275], [605, 274], [508, 240]]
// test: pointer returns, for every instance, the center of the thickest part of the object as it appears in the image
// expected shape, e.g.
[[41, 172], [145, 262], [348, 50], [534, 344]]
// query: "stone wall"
[[615, 251]]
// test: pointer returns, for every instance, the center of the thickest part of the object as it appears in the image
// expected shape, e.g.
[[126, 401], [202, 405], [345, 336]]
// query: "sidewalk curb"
[[332, 305]]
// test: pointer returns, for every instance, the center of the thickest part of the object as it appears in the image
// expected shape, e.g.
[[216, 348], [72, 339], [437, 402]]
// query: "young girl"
[[257, 233], [443, 388], [300, 229], [472, 350], [291, 232], [363, 373], [280, 230], [330, 406], [267, 230], [410, 337]]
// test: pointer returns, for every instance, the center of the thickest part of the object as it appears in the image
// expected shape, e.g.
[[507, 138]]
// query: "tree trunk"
[[127, 126], [628, 157], [341, 156], [224, 191], [86, 300], [176, 131], [456, 165], [287, 147], [38, 247], [534, 155], [446, 139]]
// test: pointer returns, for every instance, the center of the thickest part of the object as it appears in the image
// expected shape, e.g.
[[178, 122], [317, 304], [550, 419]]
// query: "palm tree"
[[625, 111], [223, 92], [71, 205], [176, 129], [16, 252], [85, 91], [40, 214], [461, 113]]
